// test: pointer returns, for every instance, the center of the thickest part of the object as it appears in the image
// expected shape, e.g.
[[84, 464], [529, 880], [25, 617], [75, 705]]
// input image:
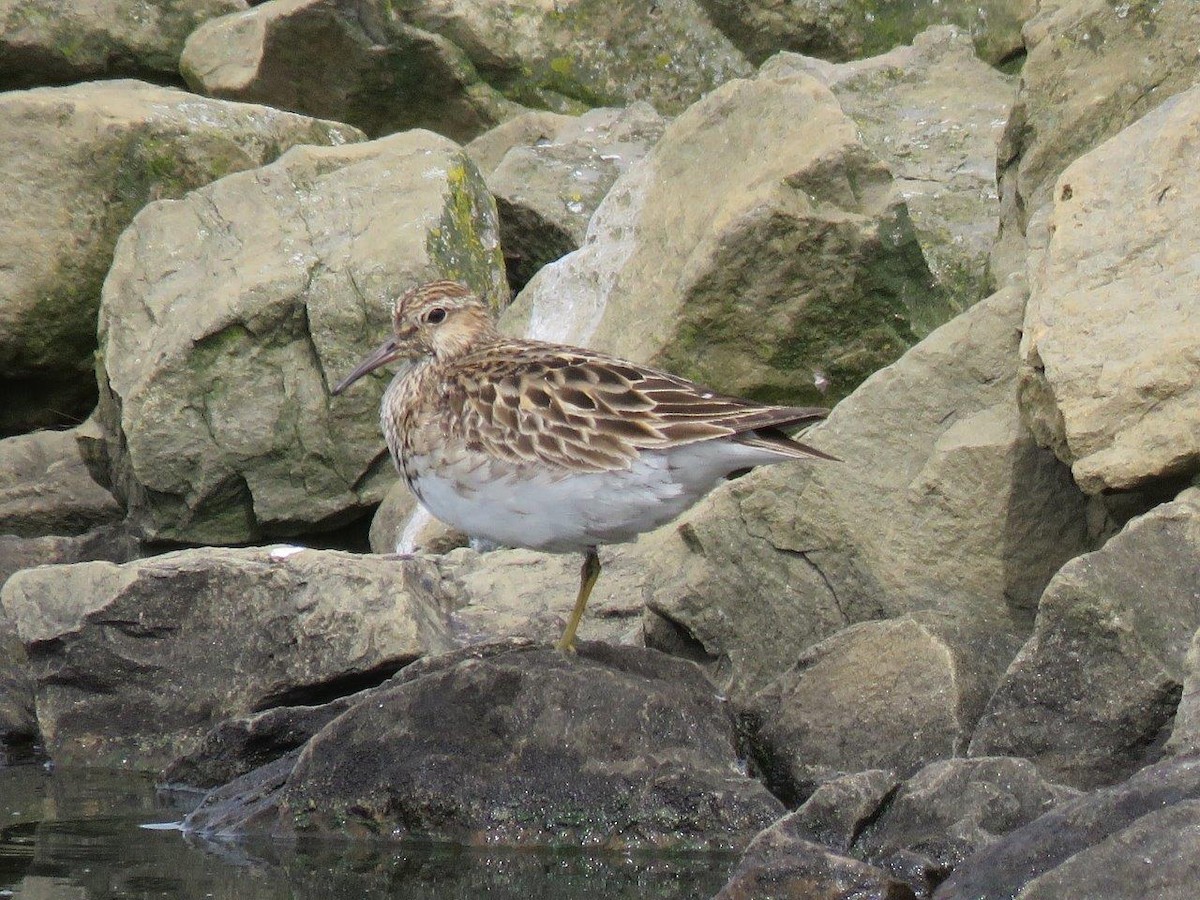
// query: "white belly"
[[551, 511]]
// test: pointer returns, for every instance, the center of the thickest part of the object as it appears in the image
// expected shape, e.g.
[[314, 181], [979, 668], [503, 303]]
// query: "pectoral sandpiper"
[[550, 447]]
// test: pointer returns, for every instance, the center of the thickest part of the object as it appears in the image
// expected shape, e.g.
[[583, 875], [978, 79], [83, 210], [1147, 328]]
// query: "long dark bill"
[[384, 354]]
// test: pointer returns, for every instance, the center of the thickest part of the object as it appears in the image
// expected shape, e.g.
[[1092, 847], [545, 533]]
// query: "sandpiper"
[[530, 444]]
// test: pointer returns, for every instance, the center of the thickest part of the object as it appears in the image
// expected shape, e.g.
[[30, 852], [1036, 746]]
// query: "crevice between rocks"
[[335, 688]]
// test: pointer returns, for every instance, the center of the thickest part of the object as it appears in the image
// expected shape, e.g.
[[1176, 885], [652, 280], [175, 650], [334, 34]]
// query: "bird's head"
[[442, 319]]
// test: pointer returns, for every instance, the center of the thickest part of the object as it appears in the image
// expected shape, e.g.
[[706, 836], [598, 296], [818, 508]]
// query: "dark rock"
[[520, 744], [838, 810], [18, 721], [1133, 840]]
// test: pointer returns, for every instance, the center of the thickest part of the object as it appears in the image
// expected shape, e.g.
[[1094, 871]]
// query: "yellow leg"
[[588, 573]]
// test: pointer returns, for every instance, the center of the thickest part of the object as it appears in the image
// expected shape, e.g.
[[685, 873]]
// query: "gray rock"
[[226, 317], [1185, 732], [51, 42], [518, 744], [526, 130], [1109, 377], [935, 113], [46, 488], [1091, 693], [108, 543], [1132, 840], [1093, 67], [896, 694], [837, 812], [18, 720], [759, 248], [952, 809], [76, 164], [136, 663], [848, 29], [942, 501]]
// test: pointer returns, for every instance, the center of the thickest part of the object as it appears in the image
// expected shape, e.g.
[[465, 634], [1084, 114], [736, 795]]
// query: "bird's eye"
[[435, 316]]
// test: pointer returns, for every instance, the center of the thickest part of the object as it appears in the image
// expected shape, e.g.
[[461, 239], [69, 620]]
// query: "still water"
[[79, 835]]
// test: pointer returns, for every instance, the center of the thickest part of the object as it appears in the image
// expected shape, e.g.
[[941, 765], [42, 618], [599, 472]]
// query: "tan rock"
[[47, 489]]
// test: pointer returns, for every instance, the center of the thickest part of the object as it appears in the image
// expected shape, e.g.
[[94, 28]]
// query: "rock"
[[1093, 67], [110, 543], [459, 68], [779, 866], [942, 501], [18, 721], [934, 112], [136, 663], [47, 489], [528, 129], [1109, 374], [952, 809], [547, 190], [1185, 733], [1090, 695], [521, 745], [837, 811], [842, 30], [76, 164], [50, 42], [401, 525], [226, 317], [759, 248], [896, 695], [1133, 840]]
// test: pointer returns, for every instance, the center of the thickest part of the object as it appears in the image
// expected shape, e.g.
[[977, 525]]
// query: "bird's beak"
[[384, 354]]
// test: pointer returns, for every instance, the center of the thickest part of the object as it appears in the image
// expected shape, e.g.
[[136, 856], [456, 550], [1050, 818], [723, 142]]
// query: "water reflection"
[[77, 836]]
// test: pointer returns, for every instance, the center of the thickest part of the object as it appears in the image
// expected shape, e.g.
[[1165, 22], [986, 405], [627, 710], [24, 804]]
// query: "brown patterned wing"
[[524, 402]]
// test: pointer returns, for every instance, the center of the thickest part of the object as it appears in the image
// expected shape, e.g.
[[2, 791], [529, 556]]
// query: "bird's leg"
[[588, 573]]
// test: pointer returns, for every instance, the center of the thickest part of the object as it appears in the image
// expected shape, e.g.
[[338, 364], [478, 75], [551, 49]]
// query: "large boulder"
[[1093, 67], [226, 317], [459, 67], [134, 664], [1090, 695], [51, 42], [76, 164], [516, 744], [941, 501], [934, 112], [759, 248], [1110, 377]]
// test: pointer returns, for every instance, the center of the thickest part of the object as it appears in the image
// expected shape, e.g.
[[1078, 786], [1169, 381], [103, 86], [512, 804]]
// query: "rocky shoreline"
[[964, 662]]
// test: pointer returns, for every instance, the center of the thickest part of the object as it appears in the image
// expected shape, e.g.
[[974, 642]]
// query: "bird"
[[531, 444]]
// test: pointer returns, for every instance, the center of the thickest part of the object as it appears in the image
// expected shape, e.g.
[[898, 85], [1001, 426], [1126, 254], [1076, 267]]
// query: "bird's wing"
[[524, 401]]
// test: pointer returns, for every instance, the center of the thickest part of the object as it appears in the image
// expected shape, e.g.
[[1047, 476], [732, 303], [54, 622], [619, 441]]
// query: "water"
[[79, 835]]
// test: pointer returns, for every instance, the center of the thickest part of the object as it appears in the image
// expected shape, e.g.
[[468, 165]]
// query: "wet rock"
[[76, 164], [546, 190], [1109, 377], [136, 663], [759, 248], [842, 30], [837, 812], [1133, 840], [521, 745], [1092, 693], [1093, 67], [896, 694], [46, 488], [935, 113], [952, 809], [50, 42], [226, 317], [941, 501]]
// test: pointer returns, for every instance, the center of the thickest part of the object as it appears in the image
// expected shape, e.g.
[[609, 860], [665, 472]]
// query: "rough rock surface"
[[1110, 376], [51, 42], [1185, 732], [46, 487], [1134, 840], [942, 501], [837, 812], [935, 113], [952, 809], [76, 164], [1093, 67], [1091, 693], [226, 317], [18, 721], [759, 248], [519, 744], [546, 190], [848, 29], [459, 67], [135, 663], [895, 694]]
